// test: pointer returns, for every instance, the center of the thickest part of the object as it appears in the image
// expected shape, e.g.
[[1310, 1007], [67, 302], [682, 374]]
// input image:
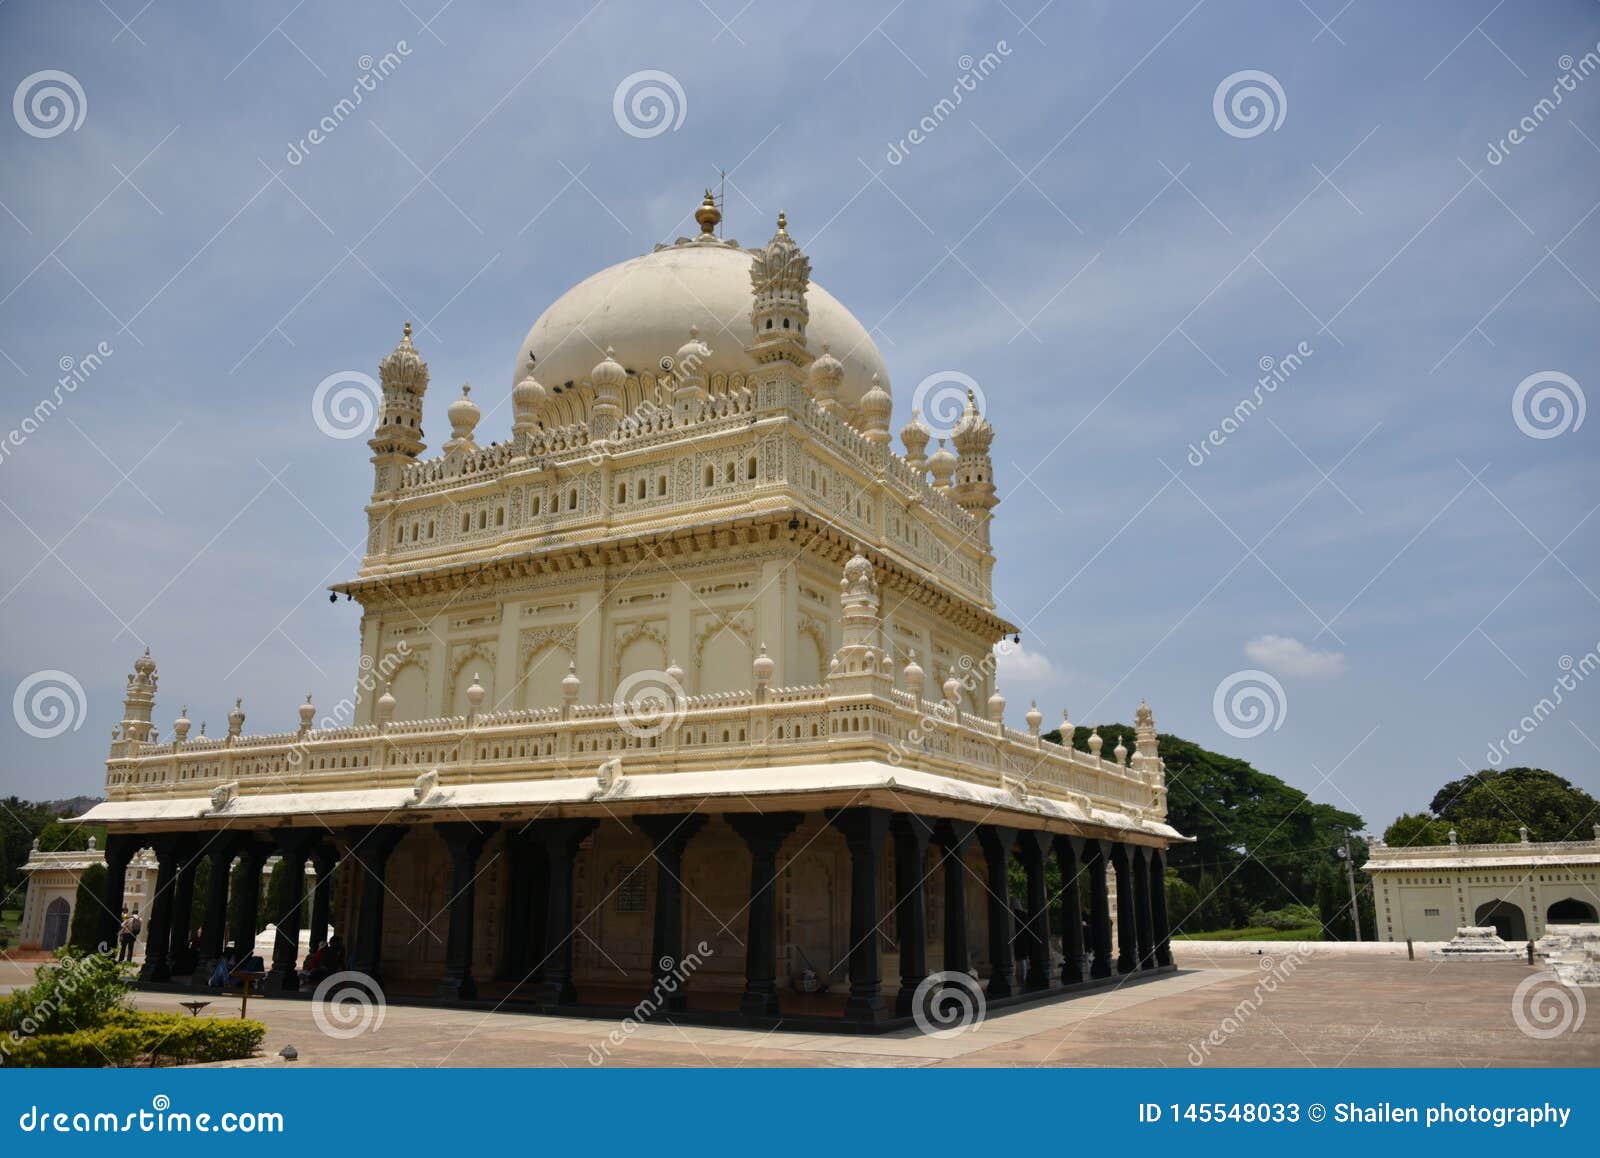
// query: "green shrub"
[[130, 1037], [77, 991]]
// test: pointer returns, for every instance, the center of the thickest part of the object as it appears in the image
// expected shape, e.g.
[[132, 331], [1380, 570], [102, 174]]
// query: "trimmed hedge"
[[130, 1037]]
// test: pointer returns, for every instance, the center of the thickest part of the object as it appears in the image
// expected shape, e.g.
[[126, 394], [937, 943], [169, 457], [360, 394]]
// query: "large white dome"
[[643, 309]]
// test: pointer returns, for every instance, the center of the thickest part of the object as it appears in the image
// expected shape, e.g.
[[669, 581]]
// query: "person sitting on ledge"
[[222, 975]]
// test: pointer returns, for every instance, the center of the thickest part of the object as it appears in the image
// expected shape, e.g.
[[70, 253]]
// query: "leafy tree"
[[1259, 843], [84, 934], [1492, 806]]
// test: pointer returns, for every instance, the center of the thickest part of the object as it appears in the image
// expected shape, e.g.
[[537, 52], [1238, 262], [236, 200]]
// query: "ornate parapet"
[[790, 726]]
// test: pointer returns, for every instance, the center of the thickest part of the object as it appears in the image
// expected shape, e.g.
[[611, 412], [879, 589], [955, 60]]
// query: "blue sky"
[[1081, 236]]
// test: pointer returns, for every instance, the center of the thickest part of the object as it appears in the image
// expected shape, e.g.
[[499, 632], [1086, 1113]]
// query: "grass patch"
[[1257, 933]]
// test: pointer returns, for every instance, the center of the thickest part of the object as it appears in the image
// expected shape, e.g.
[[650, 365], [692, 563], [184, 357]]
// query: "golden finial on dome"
[[708, 215], [783, 222], [408, 329]]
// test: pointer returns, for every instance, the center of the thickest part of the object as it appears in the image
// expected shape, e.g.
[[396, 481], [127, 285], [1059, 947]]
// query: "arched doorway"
[[1570, 911], [1506, 918], [57, 919]]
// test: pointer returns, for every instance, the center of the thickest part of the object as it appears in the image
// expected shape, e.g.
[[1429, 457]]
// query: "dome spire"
[[708, 215]]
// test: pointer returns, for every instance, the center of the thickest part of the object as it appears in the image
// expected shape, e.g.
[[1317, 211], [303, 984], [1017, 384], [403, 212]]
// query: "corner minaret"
[[861, 665], [398, 439], [974, 487], [140, 700], [779, 277]]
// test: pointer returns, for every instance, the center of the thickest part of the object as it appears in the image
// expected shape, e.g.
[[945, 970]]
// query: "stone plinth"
[[1477, 943]]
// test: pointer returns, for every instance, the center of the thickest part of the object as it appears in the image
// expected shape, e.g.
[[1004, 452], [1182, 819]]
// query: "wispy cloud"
[[1285, 655]]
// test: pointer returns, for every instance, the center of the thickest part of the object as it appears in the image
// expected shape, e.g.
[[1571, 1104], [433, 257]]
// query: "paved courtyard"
[[1328, 1010]]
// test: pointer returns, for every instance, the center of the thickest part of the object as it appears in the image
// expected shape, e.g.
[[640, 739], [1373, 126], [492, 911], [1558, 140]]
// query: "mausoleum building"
[[685, 681]]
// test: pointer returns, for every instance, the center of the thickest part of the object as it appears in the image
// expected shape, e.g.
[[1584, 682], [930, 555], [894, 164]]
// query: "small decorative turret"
[[857, 670], [386, 707], [915, 436], [528, 398], [914, 676], [463, 414], [876, 407], [180, 726], [1034, 717], [608, 378], [780, 274], [942, 466], [675, 676], [236, 718], [824, 378], [952, 691], [475, 694], [689, 376], [997, 708], [762, 668], [1148, 759], [1095, 742], [1452, 835], [1120, 752], [403, 376], [308, 712], [570, 683], [1069, 730]]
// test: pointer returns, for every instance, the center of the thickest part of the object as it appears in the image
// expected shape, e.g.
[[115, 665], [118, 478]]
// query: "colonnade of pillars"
[[539, 925]]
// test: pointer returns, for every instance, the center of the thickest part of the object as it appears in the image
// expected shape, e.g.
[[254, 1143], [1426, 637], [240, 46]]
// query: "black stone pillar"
[[180, 957], [954, 836], [1069, 855], [669, 836], [1158, 906], [294, 849], [763, 834], [1143, 932], [158, 925], [465, 840], [219, 853], [1099, 908], [371, 847], [252, 854], [120, 849], [911, 836], [1127, 944], [524, 881], [325, 858], [1033, 845], [560, 839], [996, 843], [864, 831]]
